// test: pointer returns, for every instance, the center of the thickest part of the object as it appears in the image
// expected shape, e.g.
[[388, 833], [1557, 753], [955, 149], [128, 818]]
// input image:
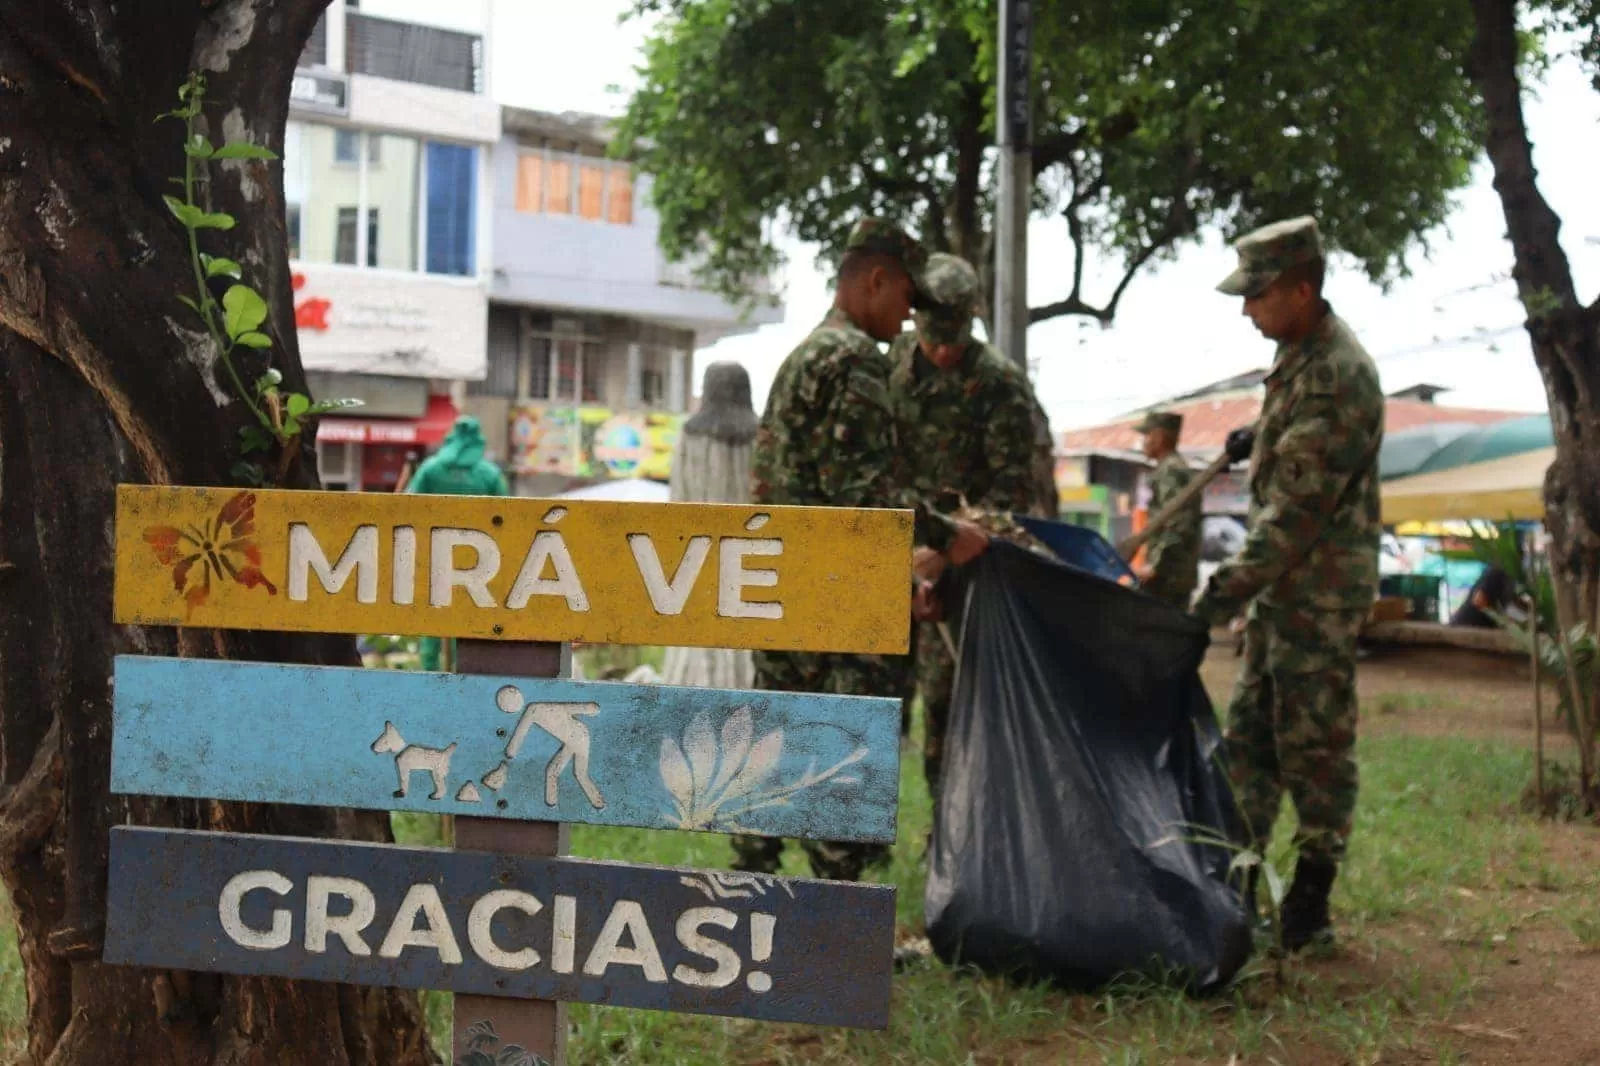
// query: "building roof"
[[1208, 421], [1422, 390], [575, 126]]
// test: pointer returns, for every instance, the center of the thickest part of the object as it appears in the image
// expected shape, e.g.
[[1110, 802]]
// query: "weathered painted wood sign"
[[514, 751], [693, 941], [781, 764], [712, 575]]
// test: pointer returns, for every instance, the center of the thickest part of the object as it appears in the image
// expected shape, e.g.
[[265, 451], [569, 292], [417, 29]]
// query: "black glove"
[[1240, 443]]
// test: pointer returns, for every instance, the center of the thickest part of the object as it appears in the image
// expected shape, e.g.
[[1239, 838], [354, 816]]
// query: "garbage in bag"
[[1080, 762]]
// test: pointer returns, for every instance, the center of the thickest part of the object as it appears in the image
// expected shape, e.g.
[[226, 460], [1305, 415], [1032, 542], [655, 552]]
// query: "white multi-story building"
[[450, 257], [592, 333], [388, 192]]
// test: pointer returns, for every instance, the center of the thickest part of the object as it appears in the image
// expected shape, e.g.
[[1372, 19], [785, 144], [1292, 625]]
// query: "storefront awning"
[[1508, 487], [430, 429]]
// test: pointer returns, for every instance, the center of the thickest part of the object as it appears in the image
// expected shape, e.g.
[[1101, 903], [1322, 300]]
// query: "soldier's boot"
[[1304, 917]]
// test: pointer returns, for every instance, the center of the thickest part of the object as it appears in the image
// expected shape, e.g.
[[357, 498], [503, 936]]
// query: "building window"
[[345, 146], [568, 364], [652, 387], [291, 223], [602, 191], [558, 193], [591, 190], [619, 196], [344, 241], [372, 237], [339, 464], [537, 386], [422, 55], [425, 192], [452, 195], [530, 183]]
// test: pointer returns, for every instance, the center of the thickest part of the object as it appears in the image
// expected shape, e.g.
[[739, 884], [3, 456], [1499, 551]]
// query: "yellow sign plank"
[[701, 575]]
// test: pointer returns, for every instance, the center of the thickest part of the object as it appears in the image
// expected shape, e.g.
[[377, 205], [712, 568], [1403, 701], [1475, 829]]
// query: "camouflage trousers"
[[843, 675], [1292, 724]]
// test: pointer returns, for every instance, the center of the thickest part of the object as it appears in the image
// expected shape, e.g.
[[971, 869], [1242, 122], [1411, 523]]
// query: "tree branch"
[[1533, 226], [29, 809], [1179, 223]]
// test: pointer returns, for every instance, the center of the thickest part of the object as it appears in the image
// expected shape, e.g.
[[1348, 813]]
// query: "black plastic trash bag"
[[1080, 759]]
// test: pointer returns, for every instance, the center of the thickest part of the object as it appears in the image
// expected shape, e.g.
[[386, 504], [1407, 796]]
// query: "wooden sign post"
[[488, 1022], [513, 749]]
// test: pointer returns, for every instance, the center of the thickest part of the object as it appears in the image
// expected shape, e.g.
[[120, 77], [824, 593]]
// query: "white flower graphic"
[[713, 784]]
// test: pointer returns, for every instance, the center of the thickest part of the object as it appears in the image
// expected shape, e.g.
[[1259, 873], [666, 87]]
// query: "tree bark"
[[105, 378], [1565, 334]]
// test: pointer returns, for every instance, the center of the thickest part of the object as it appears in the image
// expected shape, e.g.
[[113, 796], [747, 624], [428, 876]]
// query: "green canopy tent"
[[1498, 440], [1404, 451]]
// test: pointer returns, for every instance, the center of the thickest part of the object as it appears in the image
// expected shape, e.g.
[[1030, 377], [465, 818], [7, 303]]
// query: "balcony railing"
[[403, 51]]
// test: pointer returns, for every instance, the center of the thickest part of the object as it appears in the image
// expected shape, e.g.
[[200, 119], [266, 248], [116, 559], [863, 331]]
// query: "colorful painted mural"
[[592, 441]]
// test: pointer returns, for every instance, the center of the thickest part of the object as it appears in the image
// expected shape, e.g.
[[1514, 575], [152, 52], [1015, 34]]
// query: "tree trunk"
[[105, 378], [1565, 334]]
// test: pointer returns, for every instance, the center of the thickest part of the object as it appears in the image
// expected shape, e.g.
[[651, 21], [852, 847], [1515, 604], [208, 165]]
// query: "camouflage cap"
[[953, 296], [885, 238], [1170, 421], [1269, 251]]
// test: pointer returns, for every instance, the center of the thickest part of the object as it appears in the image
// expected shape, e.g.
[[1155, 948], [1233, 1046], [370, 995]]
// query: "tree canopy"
[[1152, 119]]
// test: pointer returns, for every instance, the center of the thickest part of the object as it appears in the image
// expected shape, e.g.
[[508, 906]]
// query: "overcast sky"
[[1456, 322]]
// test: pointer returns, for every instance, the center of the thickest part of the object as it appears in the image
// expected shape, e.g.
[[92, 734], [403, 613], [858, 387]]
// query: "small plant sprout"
[[236, 323]]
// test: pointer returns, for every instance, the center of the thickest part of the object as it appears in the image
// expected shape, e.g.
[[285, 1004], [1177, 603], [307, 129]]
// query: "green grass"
[[1440, 864]]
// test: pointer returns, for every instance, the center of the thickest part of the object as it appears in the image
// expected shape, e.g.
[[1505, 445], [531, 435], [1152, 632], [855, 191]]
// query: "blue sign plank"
[[659, 756], [702, 942]]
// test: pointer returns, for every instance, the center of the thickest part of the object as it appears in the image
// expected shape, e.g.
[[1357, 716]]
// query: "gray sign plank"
[[661, 938]]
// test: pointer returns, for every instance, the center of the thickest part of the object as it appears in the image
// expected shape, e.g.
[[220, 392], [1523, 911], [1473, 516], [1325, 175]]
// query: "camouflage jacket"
[[827, 438], [1314, 504], [1174, 551], [967, 433]]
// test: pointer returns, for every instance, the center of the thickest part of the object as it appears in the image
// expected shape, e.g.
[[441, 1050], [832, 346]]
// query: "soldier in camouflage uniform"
[[968, 427], [827, 439], [1172, 556], [1309, 569]]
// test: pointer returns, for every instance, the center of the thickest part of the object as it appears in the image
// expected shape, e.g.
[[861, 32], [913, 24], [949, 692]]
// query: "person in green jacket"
[[458, 468]]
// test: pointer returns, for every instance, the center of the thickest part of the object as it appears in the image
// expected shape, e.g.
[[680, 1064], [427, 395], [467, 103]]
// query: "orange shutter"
[[530, 183]]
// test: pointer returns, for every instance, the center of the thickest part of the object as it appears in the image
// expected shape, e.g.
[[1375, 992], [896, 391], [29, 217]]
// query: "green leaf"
[[247, 473], [245, 310], [241, 150], [217, 267], [1274, 883], [217, 220], [188, 214], [299, 404], [254, 340], [270, 379], [1244, 860], [197, 147], [189, 303], [254, 439], [324, 406]]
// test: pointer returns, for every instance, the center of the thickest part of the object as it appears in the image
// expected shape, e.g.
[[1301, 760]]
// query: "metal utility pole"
[[1016, 179]]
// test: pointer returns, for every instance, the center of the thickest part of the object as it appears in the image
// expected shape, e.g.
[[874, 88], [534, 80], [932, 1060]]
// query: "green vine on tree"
[[235, 323]]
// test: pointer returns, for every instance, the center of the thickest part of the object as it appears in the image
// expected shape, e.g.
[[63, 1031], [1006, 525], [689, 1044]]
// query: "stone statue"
[[711, 464]]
